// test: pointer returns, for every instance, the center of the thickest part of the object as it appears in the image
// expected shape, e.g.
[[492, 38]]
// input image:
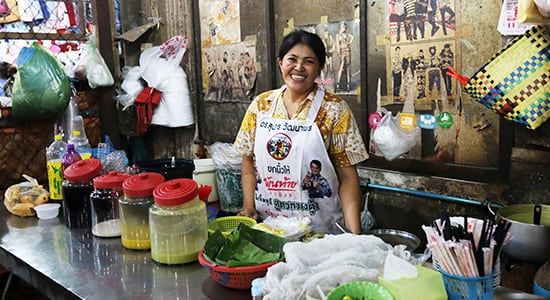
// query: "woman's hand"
[[248, 212]]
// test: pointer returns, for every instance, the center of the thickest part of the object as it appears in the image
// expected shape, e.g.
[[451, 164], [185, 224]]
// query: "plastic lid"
[[83, 170], [111, 180], [142, 184], [176, 192]]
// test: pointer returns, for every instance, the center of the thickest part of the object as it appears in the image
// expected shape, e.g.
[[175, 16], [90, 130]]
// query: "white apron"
[[284, 150]]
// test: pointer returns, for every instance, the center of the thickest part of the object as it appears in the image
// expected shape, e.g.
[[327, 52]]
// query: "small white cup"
[[47, 211]]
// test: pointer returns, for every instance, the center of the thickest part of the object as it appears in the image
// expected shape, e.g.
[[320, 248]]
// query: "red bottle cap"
[[111, 180], [142, 184], [176, 192], [83, 170]]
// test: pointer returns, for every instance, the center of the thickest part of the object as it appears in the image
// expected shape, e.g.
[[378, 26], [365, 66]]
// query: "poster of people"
[[228, 64], [229, 71], [422, 46], [341, 73]]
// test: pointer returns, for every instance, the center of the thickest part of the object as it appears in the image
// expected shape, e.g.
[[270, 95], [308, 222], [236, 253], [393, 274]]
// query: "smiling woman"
[[317, 126]]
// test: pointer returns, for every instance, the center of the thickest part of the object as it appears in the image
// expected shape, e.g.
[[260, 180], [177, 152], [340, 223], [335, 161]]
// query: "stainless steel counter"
[[65, 263]]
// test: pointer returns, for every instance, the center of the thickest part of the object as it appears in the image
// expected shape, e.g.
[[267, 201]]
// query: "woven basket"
[[227, 224], [515, 82], [235, 277]]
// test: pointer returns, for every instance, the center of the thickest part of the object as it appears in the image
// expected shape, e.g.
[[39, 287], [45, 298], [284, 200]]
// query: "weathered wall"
[[529, 175]]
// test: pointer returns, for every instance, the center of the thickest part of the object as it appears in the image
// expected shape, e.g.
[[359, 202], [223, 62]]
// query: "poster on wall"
[[220, 22], [341, 73], [228, 64], [229, 71], [422, 44]]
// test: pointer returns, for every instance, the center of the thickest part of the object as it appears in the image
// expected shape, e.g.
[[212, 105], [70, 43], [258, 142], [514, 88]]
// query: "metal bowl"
[[397, 237]]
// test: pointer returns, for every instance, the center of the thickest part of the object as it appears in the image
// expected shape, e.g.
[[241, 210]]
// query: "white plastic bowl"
[[47, 211]]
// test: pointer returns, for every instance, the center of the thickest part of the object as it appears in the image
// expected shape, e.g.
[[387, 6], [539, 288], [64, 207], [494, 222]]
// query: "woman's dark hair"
[[307, 38]]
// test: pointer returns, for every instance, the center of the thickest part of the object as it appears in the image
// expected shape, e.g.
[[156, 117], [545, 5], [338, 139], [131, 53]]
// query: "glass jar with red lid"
[[104, 204], [77, 186], [134, 209], [178, 222]]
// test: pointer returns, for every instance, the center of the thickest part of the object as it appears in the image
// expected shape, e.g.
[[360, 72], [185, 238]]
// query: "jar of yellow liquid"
[[178, 222], [134, 209]]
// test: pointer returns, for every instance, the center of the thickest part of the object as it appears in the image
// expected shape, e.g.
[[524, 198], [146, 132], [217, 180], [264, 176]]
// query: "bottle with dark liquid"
[[77, 187]]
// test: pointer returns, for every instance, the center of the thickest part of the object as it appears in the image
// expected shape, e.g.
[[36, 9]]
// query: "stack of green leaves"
[[245, 246]]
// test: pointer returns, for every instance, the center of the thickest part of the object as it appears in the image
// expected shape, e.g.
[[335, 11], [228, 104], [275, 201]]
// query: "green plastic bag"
[[41, 88]]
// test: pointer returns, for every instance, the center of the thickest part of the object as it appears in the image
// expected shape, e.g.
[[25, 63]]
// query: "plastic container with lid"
[[134, 209], [178, 222], [77, 187], [205, 174], [104, 204]]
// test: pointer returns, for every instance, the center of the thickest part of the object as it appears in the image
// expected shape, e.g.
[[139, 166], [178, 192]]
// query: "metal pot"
[[397, 237], [530, 229]]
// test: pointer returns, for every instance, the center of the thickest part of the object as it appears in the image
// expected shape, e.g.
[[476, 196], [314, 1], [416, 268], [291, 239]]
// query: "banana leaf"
[[245, 246]]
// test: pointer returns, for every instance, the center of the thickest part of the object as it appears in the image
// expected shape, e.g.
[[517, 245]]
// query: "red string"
[[462, 79]]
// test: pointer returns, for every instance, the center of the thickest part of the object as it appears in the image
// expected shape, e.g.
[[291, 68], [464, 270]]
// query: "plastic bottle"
[[70, 157], [54, 157], [81, 144], [104, 148]]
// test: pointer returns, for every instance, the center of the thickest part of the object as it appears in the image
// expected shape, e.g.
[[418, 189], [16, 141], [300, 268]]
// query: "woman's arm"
[[350, 197], [248, 181]]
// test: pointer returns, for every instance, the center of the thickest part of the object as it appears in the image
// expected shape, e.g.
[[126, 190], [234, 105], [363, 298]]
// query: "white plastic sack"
[[160, 68], [131, 81], [391, 139]]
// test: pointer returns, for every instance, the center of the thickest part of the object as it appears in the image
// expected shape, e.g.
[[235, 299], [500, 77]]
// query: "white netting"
[[327, 263]]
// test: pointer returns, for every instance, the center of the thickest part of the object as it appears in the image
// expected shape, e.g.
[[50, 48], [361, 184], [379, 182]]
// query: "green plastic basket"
[[227, 224], [360, 290]]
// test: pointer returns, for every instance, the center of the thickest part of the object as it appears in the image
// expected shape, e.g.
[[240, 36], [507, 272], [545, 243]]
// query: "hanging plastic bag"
[[160, 68], [96, 70], [41, 89], [391, 139]]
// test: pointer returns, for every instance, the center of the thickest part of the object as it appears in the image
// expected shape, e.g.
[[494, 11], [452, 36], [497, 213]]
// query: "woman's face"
[[299, 68]]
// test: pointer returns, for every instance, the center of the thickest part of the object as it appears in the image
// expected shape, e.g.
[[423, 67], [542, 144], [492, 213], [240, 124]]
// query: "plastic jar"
[[178, 222], [205, 173], [104, 204], [134, 209], [77, 188]]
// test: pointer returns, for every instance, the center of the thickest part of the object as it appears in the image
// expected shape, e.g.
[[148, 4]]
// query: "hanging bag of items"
[[40, 89], [92, 67], [515, 81], [161, 69]]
